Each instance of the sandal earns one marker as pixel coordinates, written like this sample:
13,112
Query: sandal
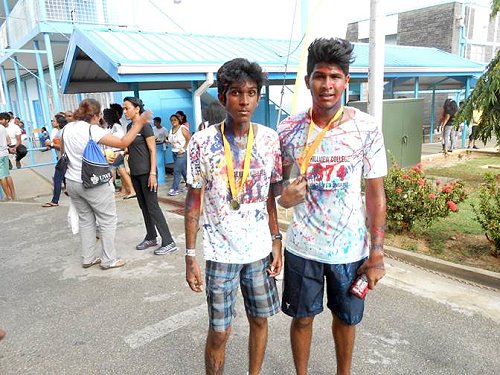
115,264
93,263
50,204
130,196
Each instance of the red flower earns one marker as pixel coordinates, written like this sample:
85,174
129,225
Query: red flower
438,182
421,182
446,189
452,206
417,168
399,190
432,196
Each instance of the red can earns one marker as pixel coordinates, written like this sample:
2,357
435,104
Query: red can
360,286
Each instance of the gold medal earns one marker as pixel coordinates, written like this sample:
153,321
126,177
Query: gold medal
234,204
235,190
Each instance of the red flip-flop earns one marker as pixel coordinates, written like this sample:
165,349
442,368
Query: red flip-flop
50,204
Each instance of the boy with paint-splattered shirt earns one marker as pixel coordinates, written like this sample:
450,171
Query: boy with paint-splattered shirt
234,165
333,237
229,235
329,226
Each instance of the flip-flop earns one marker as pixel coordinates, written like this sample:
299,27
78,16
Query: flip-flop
130,196
50,204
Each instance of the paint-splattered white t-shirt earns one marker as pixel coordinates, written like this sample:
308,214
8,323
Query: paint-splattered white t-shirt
234,236
330,226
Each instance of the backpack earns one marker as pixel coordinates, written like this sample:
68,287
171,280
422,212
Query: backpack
95,168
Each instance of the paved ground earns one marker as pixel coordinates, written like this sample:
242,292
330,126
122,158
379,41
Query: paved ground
143,319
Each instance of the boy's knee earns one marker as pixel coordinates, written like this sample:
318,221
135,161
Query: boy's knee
218,339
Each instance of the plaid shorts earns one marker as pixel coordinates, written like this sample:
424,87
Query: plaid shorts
260,293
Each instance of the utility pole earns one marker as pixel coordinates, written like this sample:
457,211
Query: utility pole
376,58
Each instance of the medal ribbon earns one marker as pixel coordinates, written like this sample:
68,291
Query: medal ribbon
229,161
309,150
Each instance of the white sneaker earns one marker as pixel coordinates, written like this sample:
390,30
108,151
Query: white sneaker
173,192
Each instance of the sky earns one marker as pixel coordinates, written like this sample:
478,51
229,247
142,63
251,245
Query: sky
277,19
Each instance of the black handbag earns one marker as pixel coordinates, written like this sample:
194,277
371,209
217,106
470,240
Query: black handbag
63,162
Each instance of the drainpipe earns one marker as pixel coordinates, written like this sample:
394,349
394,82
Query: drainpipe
197,98
433,113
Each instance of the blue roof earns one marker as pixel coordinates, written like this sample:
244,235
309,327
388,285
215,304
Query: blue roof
114,59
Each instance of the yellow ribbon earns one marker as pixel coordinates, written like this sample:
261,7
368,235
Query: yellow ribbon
229,162
309,150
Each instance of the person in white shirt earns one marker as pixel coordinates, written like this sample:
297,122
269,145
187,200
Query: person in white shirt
178,137
14,135
5,178
97,203
160,132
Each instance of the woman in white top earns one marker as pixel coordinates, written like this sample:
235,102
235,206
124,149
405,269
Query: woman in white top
178,137
96,203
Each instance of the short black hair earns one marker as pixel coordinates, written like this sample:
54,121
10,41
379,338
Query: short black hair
157,119
239,70
4,116
330,51
117,108
110,116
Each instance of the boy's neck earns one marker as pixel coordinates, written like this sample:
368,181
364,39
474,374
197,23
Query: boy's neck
239,130
322,117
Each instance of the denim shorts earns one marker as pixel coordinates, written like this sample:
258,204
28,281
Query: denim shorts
4,166
260,293
303,289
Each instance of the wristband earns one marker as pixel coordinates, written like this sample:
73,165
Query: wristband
190,252
152,173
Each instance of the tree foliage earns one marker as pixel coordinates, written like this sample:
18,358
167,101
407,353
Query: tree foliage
485,97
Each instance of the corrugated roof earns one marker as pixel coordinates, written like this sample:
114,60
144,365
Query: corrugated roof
113,60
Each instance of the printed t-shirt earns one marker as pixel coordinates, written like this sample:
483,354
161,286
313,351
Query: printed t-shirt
234,236
329,226
139,159
75,138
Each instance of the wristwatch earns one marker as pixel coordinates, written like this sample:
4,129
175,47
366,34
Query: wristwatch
277,236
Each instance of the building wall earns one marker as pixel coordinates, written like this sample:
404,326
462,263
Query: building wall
435,26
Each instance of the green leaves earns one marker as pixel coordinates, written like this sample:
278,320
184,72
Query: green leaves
486,98
488,211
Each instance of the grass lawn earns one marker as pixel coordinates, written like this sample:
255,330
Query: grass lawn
457,238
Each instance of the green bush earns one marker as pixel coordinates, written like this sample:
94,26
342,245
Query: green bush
488,211
412,198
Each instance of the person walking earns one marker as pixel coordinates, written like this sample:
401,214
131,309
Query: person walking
97,203
142,162
178,137
327,152
450,108
238,163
